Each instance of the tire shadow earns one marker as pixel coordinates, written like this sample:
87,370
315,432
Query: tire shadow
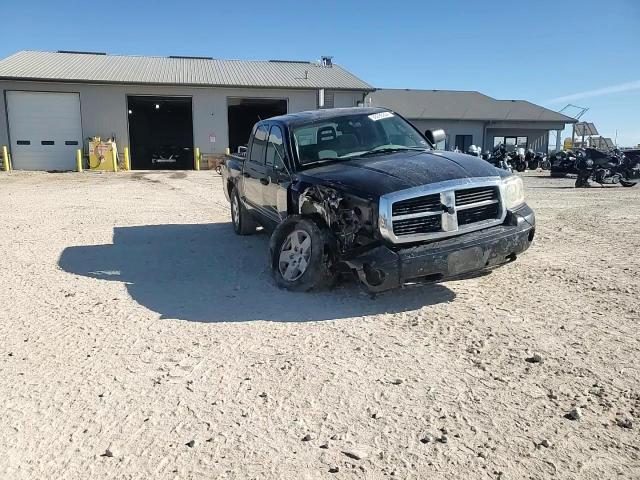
206,273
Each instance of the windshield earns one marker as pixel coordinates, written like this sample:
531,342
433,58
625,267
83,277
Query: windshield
356,135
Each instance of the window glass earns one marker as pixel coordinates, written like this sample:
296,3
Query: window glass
259,145
349,136
522,142
463,142
275,148
510,143
497,141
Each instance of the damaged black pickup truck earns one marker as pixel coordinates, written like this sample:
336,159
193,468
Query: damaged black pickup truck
361,190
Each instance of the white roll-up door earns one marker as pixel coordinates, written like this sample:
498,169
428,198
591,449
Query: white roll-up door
45,129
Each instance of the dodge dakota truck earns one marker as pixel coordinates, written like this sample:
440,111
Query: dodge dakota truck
361,191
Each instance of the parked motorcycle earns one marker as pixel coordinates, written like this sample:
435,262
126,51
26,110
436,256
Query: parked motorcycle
517,160
532,160
473,150
607,168
498,158
562,163
536,160
543,161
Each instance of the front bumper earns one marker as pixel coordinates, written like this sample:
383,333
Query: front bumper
383,268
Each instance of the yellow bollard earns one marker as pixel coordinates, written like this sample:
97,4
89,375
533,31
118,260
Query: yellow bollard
79,160
114,155
127,162
227,151
196,158
5,159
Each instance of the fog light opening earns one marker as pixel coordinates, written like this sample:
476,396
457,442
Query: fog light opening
511,257
532,233
374,276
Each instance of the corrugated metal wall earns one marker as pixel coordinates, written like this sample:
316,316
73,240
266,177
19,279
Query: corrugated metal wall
104,107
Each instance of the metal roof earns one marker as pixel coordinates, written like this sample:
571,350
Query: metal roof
457,105
101,68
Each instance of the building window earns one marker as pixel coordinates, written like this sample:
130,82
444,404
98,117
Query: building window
463,142
511,143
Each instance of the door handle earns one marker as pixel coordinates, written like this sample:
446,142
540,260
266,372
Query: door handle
265,180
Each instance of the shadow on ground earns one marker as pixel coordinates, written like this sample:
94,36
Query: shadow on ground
206,273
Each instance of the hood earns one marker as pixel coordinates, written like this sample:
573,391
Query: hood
381,174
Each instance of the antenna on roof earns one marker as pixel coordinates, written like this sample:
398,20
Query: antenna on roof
326,61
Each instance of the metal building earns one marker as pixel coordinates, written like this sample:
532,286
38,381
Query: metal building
471,118
160,107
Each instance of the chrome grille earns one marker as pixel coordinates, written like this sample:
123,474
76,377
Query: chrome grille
441,210
476,195
410,226
478,214
427,203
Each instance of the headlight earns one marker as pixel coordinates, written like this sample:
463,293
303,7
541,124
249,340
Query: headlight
513,192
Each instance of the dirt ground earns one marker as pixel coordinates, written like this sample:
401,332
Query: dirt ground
142,339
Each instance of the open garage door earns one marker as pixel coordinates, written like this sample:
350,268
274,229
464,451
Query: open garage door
243,113
160,133
45,130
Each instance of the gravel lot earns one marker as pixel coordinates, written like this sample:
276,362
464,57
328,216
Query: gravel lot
142,339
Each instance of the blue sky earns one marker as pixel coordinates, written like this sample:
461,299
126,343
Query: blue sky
549,52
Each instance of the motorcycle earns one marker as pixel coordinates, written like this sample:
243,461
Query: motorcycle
498,158
543,161
562,163
608,168
532,159
474,151
517,160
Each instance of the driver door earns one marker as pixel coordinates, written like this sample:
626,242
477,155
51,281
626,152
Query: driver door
274,200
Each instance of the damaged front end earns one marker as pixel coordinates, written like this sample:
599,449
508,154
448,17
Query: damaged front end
351,219
381,265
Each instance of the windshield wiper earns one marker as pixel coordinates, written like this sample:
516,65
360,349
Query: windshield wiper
389,150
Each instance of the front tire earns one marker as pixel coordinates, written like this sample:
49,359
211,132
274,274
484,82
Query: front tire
243,222
626,183
300,255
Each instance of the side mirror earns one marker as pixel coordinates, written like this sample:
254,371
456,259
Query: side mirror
435,136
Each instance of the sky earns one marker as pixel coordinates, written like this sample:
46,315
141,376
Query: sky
552,53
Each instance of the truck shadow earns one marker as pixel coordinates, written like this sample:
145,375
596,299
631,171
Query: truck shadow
206,273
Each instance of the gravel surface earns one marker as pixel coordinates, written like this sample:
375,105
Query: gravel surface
142,339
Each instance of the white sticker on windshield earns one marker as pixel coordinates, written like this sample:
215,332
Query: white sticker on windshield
379,116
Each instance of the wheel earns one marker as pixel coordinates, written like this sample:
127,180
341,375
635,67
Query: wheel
533,165
219,169
626,183
521,166
300,255
545,165
558,174
243,222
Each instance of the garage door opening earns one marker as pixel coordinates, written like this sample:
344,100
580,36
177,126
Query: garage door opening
245,112
45,130
160,133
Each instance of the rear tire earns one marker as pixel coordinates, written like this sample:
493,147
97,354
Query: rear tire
300,255
243,222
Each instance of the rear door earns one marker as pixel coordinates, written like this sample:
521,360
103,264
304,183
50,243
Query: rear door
45,129
277,176
254,168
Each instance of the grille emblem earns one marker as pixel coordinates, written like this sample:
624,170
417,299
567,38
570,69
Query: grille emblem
450,209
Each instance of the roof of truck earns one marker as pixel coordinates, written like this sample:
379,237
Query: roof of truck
299,118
